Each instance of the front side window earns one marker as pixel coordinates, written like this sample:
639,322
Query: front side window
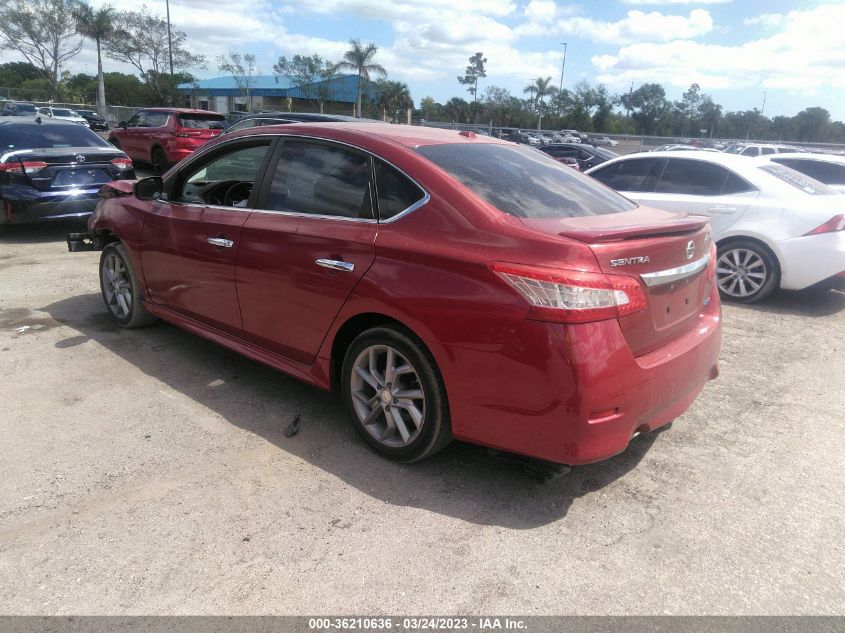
396,192
635,174
698,178
137,120
524,182
750,151
321,179
224,180
156,119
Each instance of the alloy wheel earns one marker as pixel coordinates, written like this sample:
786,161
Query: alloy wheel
741,272
387,396
117,286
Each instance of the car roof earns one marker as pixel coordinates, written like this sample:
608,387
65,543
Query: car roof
308,117
180,111
31,120
410,136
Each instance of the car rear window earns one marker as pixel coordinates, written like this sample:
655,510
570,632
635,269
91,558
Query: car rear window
202,121
828,173
34,136
799,180
524,182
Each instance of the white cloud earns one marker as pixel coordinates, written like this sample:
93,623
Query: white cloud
766,20
545,18
668,2
804,55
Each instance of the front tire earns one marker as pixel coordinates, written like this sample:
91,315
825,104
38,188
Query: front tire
746,272
395,395
121,289
159,160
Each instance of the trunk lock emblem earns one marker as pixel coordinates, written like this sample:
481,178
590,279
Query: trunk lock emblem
690,249
79,158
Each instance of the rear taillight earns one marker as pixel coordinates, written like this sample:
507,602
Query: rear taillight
836,223
27,166
122,163
571,296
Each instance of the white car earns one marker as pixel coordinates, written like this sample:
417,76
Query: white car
62,114
773,226
826,168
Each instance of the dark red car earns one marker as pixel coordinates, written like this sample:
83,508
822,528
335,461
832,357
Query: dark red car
448,285
164,136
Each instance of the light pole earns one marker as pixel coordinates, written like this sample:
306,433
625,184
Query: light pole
169,39
562,66
763,109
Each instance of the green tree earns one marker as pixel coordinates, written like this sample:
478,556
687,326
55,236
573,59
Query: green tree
312,75
43,32
140,39
96,25
474,71
539,89
392,97
243,71
428,109
359,58
648,104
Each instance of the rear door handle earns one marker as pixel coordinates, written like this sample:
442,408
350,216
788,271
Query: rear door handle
334,264
220,241
722,209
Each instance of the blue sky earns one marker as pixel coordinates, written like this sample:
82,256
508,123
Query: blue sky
735,49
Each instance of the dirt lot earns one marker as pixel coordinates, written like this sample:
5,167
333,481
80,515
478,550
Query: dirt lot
147,471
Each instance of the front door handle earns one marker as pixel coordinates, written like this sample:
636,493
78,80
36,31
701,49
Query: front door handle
334,264
220,241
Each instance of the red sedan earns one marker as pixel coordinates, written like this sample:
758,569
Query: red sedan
448,285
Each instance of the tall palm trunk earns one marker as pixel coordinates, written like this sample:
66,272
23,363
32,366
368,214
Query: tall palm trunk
358,111
101,84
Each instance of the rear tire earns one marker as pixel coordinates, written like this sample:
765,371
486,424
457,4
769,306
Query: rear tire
746,271
395,394
159,160
121,289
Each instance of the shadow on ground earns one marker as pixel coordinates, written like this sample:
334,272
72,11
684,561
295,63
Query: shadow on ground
463,481
812,302
42,233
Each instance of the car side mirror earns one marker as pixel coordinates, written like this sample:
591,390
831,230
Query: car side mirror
148,188
121,124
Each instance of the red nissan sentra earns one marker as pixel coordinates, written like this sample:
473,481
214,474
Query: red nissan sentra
448,285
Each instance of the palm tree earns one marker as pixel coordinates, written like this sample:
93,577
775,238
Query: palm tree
393,96
360,59
96,25
539,89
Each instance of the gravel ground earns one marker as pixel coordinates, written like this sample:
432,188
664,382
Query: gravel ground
147,471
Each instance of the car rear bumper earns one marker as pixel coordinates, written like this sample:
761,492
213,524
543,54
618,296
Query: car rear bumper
806,261
25,206
589,396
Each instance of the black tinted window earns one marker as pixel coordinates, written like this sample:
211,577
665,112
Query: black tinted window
137,120
828,173
395,192
321,179
32,136
627,175
696,178
524,182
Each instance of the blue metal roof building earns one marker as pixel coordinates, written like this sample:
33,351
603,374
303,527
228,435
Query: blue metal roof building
222,94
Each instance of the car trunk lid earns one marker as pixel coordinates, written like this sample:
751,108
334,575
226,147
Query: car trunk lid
667,253
71,167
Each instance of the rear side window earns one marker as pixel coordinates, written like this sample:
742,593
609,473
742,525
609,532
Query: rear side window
628,175
828,173
768,150
202,121
34,136
320,179
396,192
699,178
524,182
